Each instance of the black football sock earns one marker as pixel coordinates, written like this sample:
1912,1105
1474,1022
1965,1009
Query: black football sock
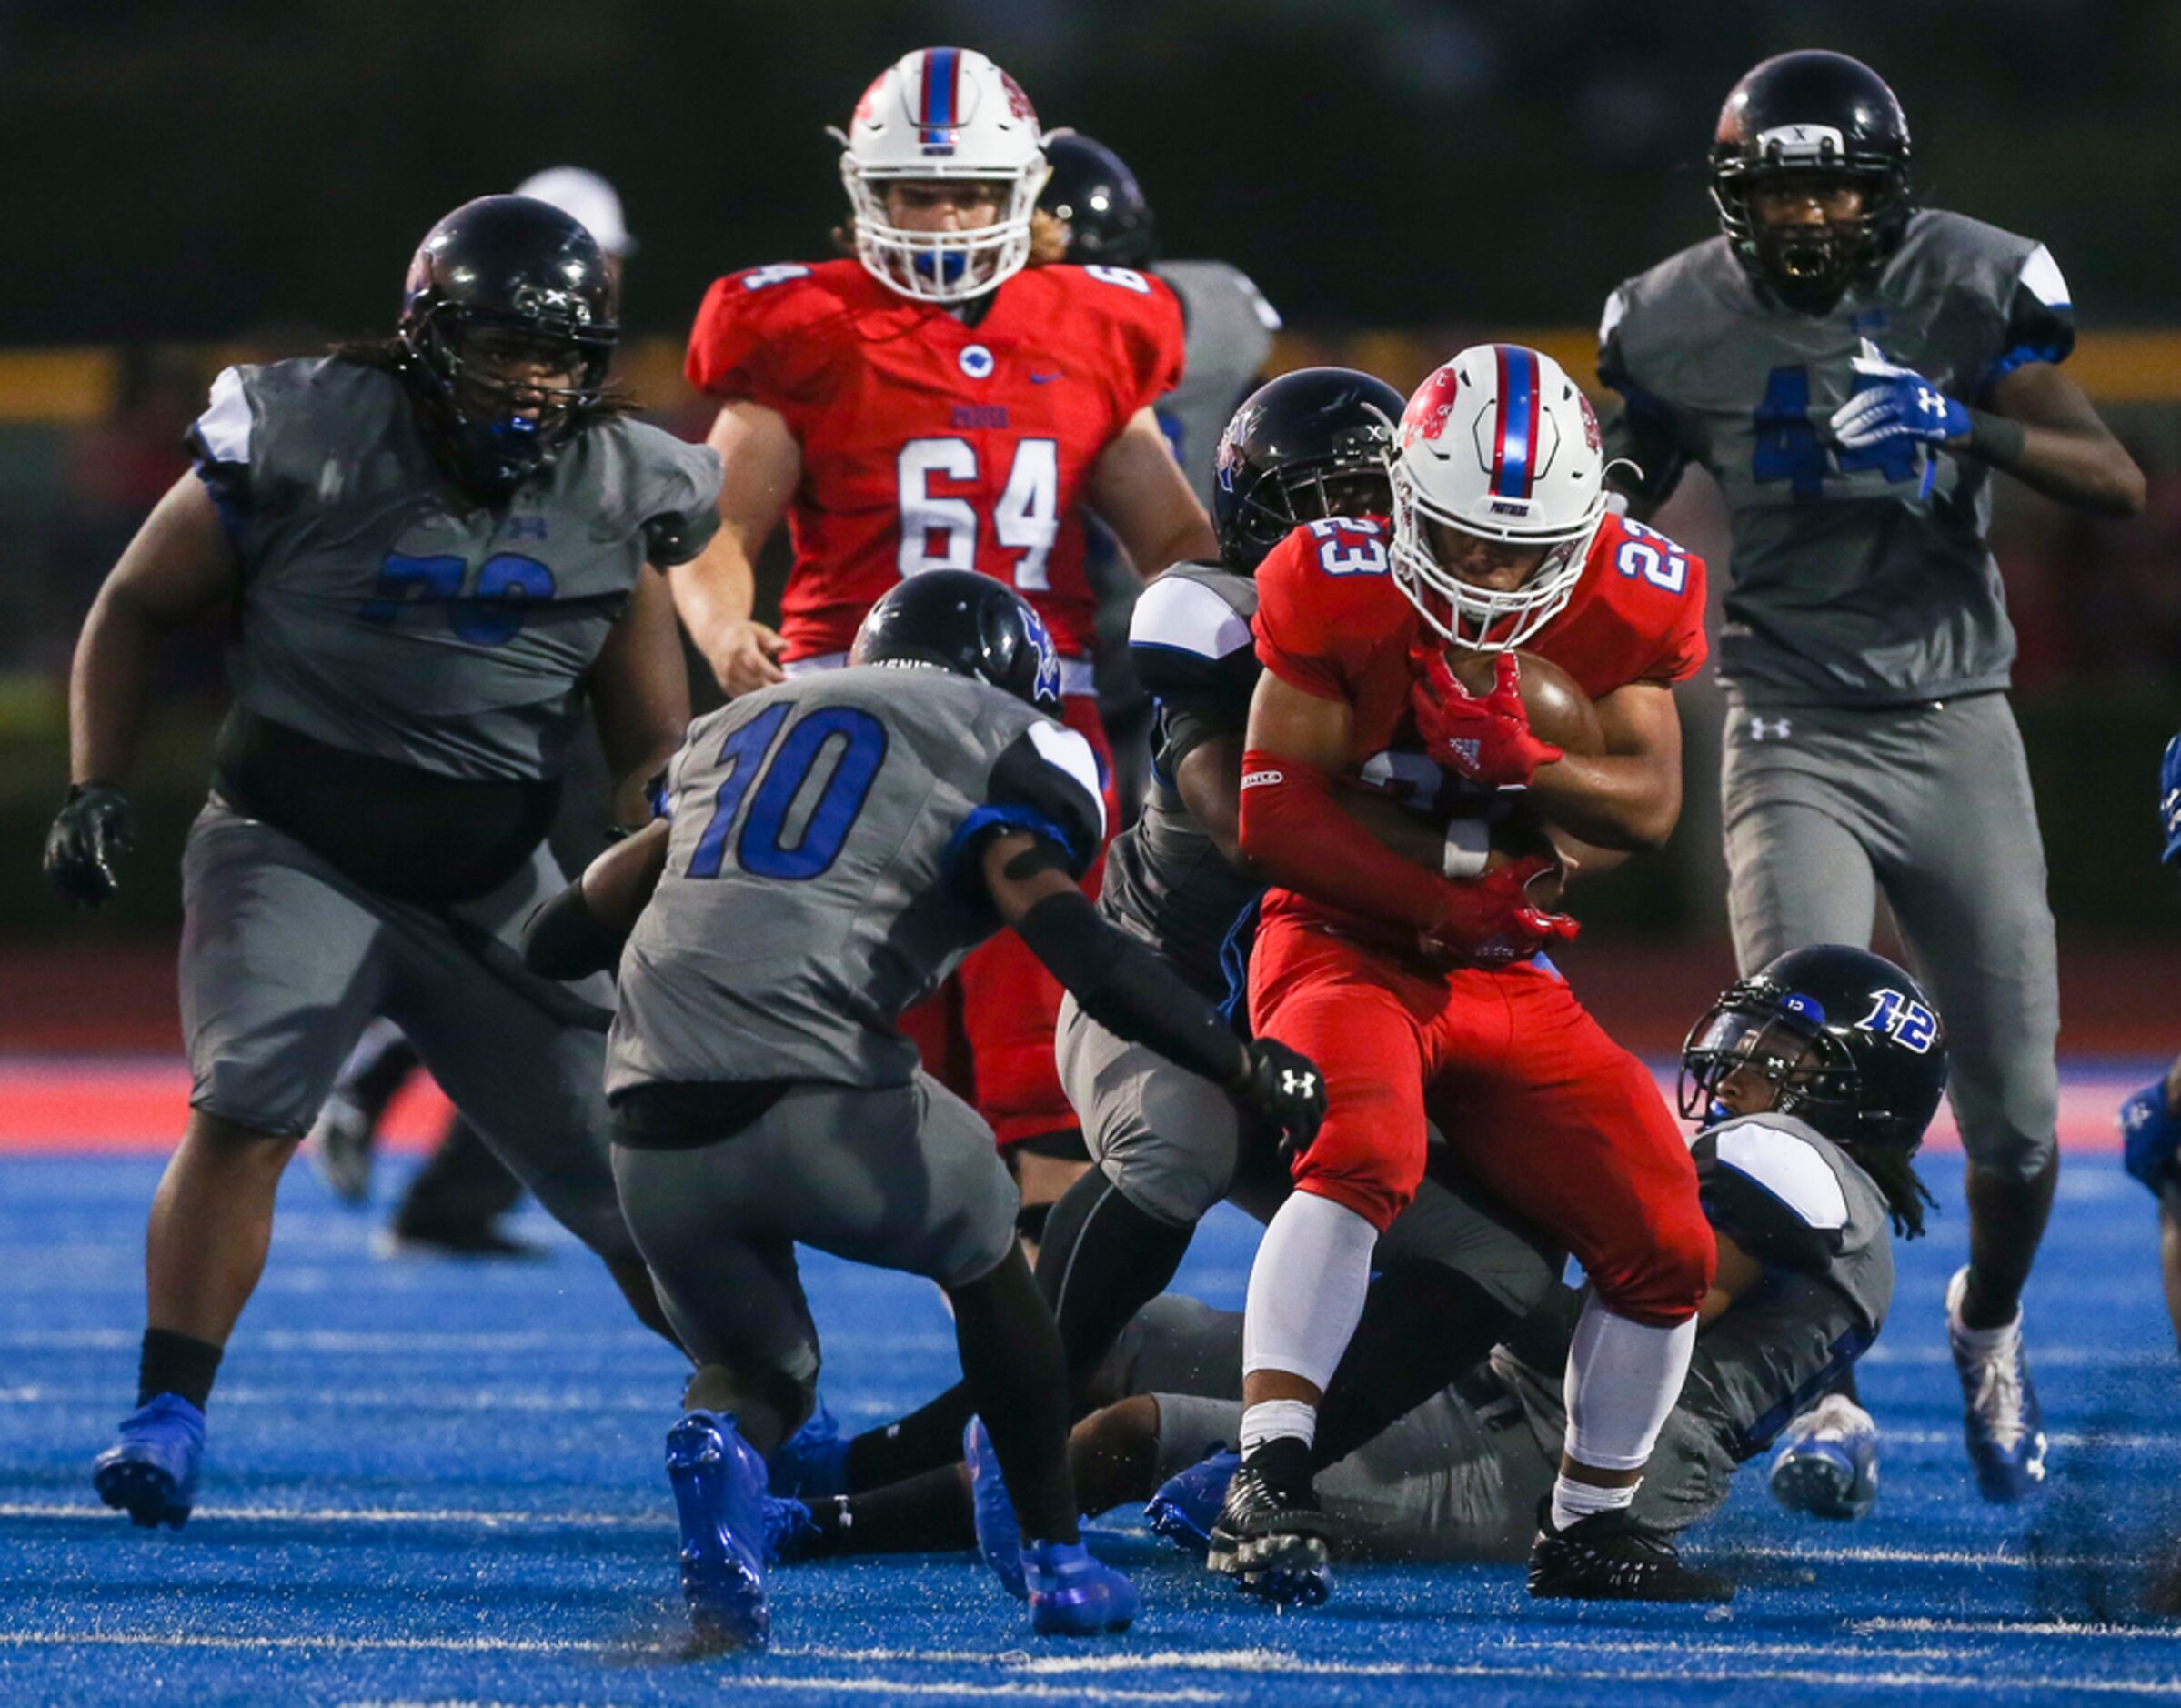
928,1513
1424,1324
1101,1262
925,1439
373,1089
176,1363
1012,1364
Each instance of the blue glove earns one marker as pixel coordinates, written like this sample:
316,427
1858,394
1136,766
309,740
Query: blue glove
1892,402
2169,802
2150,1138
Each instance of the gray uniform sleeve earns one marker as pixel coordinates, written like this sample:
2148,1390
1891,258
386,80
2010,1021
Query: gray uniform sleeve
220,443
1644,435
2039,318
1774,1195
1045,781
1190,642
681,497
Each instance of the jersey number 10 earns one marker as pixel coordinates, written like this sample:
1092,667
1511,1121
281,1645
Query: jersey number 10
938,531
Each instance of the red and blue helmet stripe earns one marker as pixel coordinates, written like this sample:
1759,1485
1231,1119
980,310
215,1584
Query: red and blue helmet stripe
941,108
1514,433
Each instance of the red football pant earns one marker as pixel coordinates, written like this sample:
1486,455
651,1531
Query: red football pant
987,1033
1540,1107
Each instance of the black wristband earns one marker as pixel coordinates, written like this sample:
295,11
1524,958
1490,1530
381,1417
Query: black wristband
564,939
1995,438
1127,990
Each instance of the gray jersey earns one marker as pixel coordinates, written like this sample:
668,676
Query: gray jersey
1794,1201
384,612
820,878
1166,883
1228,328
1856,578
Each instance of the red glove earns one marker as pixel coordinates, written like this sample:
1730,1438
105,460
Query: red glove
1493,922
1488,741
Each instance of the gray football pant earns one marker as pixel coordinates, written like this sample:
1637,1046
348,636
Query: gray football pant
1171,1142
1826,806
284,962
908,1178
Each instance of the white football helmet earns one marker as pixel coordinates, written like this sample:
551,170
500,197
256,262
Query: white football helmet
1498,443
943,113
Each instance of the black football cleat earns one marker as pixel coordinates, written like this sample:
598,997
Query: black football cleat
1271,1536
1609,1557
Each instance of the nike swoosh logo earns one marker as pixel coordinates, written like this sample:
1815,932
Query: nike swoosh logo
1040,379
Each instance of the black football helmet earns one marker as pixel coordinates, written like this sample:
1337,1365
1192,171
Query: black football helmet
1308,444
1879,1052
521,267
1108,222
970,624
1821,116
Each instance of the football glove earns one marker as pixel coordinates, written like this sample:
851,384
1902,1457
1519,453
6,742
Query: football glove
1890,402
1487,740
94,824
1494,922
2169,802
1285,1087
2150,1139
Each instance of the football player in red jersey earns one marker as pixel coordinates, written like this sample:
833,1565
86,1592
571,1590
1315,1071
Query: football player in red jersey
940,403
1499,536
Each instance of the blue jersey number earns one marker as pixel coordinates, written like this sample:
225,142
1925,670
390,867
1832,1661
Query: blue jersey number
851,741
491,615
1788,448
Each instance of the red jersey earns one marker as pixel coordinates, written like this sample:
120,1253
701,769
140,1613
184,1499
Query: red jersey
928,443
1332,622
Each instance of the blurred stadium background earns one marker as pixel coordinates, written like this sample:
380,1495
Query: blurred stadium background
239,178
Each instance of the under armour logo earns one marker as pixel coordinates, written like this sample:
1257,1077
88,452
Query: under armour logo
526,527
1296,1085
1759,730
1929,401
1469,749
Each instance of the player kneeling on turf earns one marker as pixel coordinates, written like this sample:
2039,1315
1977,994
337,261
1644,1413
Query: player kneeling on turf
837,844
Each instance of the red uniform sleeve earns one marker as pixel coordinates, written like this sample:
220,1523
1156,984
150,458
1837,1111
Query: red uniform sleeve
760,334
1311,619
1685,648
1158,343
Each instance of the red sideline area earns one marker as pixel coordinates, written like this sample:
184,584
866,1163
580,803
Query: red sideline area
90,1039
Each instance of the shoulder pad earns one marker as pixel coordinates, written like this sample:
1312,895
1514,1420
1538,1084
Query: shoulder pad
677,494
1046,781
1769,1185
1194,608
740,312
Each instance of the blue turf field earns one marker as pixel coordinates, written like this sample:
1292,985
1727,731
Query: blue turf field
441,1483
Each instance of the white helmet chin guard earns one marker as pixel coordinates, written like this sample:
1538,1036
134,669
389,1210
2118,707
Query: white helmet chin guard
943,113
1501,443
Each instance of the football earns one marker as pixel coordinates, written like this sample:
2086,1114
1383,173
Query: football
1559,711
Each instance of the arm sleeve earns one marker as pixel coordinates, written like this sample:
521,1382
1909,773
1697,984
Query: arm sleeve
1295,834
222,443
1045,781
1772,1194
1644,433
2038,316
684,511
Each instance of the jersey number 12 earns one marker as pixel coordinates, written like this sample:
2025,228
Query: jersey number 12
938,531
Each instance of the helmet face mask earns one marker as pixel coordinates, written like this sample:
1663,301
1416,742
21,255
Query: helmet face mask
1803,123
943,115
1809,1073
1311,444
508,328
1498,445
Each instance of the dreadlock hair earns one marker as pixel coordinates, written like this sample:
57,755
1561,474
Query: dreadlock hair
1895,1177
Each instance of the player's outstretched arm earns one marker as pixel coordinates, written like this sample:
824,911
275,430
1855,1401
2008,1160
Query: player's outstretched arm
1134,995
716,590
1141,493
639,691
582,930
2045,433
1630,797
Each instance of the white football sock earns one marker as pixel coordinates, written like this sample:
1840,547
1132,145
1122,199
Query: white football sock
1269,1419
1573,1502
1624,1379
1306,1288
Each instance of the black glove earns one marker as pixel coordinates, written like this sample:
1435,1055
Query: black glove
1285,1087
95,824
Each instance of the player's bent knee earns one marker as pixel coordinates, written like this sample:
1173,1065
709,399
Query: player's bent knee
1662,1283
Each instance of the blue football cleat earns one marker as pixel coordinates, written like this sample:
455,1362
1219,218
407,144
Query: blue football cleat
1188,1504
1827,1462
719,1484
151,1471
999,1535
1071,1595
2150,1137
812,1465
2001,1419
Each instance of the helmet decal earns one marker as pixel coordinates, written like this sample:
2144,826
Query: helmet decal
1429,410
